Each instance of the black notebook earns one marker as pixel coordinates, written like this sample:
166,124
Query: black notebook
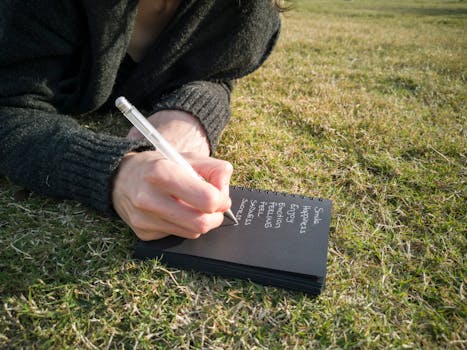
280,240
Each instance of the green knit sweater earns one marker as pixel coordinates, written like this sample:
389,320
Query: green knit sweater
59,59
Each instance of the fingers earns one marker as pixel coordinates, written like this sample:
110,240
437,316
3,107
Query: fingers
156,197
149,226
153,216
202,195
170,209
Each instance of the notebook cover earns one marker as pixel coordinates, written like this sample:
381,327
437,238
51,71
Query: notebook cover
281,239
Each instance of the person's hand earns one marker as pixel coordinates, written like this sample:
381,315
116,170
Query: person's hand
156,197
181,129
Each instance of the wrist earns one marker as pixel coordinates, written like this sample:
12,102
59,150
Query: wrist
182,130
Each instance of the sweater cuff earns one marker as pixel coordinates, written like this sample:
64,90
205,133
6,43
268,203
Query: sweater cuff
88,166
208,101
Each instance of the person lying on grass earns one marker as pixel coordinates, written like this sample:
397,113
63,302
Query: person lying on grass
177,59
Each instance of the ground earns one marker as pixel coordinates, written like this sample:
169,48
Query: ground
363,102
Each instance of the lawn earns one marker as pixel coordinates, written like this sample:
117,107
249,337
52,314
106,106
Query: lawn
363,102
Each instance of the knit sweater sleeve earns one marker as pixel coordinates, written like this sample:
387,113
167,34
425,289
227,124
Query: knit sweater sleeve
52,154
209,101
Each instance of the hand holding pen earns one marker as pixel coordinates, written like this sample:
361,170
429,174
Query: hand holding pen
157,194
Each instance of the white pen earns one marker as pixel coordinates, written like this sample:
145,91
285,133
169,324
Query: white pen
153,136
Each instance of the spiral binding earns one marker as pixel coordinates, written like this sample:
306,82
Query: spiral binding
293,195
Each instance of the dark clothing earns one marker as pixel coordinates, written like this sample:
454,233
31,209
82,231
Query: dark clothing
61,58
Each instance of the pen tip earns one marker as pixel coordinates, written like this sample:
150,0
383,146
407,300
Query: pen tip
231,216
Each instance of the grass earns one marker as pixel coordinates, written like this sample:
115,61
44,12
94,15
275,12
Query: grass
363,102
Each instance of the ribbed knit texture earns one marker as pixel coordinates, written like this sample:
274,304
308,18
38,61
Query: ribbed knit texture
60,59
89,176
73,163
